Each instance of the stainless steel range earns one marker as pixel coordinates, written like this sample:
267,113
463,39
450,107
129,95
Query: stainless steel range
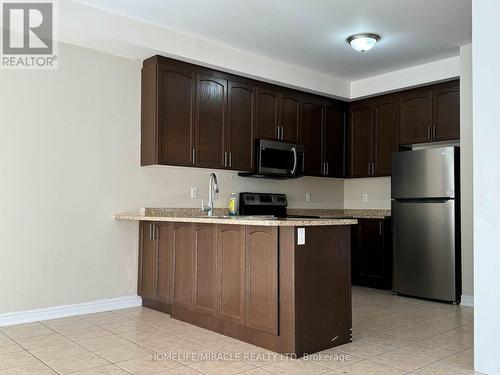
260,204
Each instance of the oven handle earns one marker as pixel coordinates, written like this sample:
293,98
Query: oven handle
294,151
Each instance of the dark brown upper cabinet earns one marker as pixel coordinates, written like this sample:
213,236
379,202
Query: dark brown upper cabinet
312,132
373,136
447,111
334,140
200,117
210,137
277,115
289,119
168,96
431,113
239,126
267,114
385,132
416,116
323,124
361,145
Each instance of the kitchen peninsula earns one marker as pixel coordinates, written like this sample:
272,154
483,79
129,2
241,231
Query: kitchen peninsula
281,284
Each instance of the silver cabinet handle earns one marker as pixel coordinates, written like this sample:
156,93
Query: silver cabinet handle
294,151
277,133
230,159
282,133
429,132
323,168
327,168
373,168
194,156
152,231
434,132
369,168
225,159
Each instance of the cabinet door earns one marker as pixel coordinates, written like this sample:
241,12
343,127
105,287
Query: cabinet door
262,279
184,263
386,128
334,140
176,94
371,255
164,268
147,261
360,139
447,111
231,271
240,139
312,124
205,271
290,118
210,117
416,116
266,113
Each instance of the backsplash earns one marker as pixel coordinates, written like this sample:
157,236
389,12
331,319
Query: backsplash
377,189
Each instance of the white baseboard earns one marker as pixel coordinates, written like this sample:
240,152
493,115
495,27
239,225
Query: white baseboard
65,311
467,301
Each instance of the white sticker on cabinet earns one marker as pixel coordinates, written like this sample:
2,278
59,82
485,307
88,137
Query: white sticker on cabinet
301,236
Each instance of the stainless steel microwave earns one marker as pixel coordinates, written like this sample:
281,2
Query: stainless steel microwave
278,160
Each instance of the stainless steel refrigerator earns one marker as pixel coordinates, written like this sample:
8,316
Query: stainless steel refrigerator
425,194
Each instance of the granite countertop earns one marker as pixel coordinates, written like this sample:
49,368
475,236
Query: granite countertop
238,220
368,213
194,215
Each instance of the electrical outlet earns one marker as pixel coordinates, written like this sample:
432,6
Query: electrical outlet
308,197
194,192
365,197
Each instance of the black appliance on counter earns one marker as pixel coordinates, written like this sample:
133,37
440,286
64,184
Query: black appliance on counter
278,160
264,204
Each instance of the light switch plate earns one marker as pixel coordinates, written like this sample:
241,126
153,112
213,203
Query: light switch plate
365,197
308,197
301,236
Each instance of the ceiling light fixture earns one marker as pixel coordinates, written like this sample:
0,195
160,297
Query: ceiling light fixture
363,42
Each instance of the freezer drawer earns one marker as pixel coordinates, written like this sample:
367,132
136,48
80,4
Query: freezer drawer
424,249
428,173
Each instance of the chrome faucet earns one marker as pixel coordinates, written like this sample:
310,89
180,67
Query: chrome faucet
213,188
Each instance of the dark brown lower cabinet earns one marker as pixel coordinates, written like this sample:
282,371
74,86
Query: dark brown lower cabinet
372,253
183,265
253,283
205,291
231,271
155,265
262,278
147,261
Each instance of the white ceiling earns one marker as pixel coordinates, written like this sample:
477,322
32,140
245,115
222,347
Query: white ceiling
311,33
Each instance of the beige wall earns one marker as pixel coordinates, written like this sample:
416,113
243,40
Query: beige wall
466,169
377,189
69,160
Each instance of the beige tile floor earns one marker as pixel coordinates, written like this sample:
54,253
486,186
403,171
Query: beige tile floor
392,335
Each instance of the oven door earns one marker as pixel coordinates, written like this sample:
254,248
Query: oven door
280,159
